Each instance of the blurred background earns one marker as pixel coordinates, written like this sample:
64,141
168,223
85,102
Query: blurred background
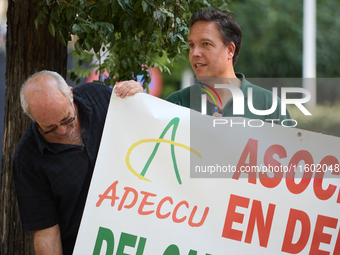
272,48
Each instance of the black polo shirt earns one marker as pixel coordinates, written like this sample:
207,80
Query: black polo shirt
52,180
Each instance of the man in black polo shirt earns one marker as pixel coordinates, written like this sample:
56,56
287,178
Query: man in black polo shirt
55,158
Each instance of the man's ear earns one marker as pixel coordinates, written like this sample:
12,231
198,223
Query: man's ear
71,89
231,48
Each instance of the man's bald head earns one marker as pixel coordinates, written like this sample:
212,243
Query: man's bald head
42,90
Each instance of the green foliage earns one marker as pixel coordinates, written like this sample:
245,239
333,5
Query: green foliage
328,51
172,81
273,37
325,118
123,35
195,5
80,70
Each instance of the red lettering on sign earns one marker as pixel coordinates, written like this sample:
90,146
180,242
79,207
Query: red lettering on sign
135,197
174,215
251,151
145,202
307,175
320,193
128,191
233,216
288,245
269,161
256,215
106,195
337,245
319,236
192,214
247,164
160,204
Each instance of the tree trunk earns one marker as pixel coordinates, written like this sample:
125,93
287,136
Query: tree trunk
28,50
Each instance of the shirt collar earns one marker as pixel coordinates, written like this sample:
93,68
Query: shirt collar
244,86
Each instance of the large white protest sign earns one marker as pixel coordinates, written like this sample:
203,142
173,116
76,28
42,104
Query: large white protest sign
170,181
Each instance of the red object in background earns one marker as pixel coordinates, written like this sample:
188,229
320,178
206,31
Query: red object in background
156,84
95,76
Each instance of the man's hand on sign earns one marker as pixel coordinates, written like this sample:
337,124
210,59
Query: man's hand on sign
127,88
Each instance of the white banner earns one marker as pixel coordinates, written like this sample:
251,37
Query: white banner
238,187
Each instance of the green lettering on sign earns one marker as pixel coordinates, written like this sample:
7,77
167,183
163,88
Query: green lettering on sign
172,250
107,235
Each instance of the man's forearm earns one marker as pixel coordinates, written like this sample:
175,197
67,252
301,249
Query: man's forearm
48,241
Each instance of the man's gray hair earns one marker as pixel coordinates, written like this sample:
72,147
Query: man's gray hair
62,85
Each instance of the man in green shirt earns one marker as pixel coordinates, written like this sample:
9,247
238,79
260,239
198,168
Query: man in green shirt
215,40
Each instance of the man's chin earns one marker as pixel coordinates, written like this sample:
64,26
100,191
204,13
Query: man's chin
200,75
64,136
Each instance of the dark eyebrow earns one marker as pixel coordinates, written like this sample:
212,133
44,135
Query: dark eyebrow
202,40
206,40
67,117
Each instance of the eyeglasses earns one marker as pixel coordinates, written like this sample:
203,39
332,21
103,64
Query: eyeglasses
67,122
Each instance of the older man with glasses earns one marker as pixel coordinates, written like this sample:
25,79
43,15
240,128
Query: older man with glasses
55,158
64,123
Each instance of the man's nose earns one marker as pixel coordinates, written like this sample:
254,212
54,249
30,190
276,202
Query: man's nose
62,129
196,51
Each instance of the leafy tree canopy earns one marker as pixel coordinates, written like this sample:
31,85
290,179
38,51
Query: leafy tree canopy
123,36
273,37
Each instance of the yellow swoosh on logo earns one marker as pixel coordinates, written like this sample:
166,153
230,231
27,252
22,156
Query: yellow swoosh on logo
160,140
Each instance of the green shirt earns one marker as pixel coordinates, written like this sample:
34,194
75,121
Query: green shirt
190,97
